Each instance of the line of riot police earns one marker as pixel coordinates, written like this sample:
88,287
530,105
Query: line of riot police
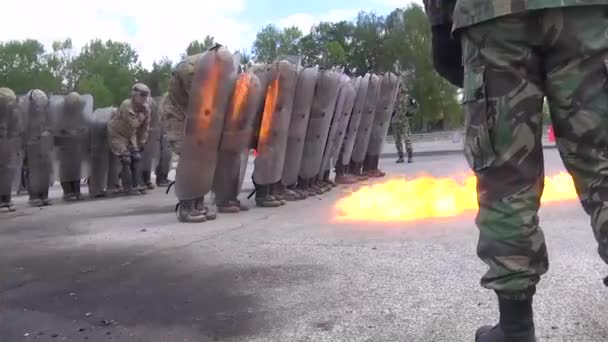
302,122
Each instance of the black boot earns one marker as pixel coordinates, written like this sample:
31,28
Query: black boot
136,175
126,176
263,198
67,191
400,160
410,156
5,202
516,323
76,195
147,179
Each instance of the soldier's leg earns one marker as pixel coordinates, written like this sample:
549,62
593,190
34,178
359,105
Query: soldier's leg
408,141
502,105
398,135
576,86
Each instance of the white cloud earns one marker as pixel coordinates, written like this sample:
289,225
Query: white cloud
158,29
155,30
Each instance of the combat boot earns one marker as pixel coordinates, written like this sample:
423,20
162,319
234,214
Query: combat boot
516,323
127,178
372,170
229,207
327,180
279,191
356,170
305,186
6,203
410,157
67,191
342,176
400,160
263,198
199,205
146,178
76,194
188,212
301,193
36,202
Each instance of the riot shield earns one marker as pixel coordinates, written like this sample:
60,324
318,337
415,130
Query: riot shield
274,126
20,176
212,85
367,120
324,104
347,109
305,90
10,141
150,155
99,180
333,128
384,109
344,108
38,143
264,74
355,120
238,129
165,155
70,134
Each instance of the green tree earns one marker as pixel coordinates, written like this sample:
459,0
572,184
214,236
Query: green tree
408,41
366,54
23,66
157,79
271,42
60,62
111,64
196,47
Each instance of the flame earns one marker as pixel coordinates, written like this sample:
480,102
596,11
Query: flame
208,91
403,200
241,90
272,95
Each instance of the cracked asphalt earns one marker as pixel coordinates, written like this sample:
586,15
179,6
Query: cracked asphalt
123,269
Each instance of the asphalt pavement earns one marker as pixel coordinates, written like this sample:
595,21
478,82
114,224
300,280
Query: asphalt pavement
124,269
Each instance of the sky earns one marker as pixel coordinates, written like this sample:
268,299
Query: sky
164,29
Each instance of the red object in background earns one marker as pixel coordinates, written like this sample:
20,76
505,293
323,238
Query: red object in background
551,134
255,152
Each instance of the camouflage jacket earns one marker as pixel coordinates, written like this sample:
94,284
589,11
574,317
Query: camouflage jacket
131,122
405,108
471,12
181,80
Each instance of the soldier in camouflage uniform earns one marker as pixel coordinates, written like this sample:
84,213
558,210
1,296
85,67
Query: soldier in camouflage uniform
402,131
173,107
515,53
127,133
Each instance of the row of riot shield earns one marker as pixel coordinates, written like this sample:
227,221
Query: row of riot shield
60,138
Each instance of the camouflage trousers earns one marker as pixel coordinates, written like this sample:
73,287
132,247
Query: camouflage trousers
402,133
511,63
120,145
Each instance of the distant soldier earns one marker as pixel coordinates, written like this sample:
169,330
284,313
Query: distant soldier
127,133
404,111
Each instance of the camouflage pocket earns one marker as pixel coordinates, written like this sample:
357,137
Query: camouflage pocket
478,143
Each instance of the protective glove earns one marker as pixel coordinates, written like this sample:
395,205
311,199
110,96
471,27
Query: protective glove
447,55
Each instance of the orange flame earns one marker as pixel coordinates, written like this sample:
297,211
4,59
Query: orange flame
241,90
427,197
208,92
272,95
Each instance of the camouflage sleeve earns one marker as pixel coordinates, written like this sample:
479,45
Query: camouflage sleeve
144,129
439,12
